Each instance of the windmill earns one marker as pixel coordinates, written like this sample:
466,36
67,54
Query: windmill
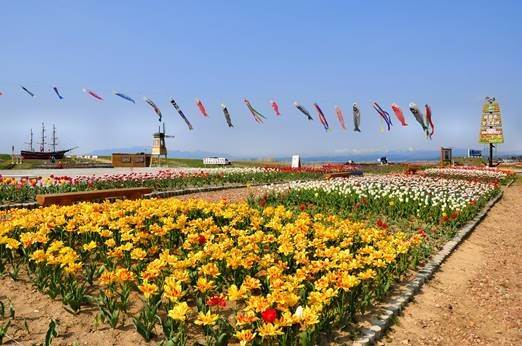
159,148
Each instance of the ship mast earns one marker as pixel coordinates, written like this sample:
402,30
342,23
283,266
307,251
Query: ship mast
31,142
54,138
42,143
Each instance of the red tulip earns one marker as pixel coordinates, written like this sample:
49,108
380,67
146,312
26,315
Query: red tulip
217,301
269,315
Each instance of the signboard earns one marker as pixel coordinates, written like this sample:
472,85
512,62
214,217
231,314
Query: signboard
491,123
474,153
296,161
215,161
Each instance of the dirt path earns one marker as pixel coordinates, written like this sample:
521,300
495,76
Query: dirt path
476,296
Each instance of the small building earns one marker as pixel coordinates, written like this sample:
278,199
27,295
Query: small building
130,160
446,156
216,161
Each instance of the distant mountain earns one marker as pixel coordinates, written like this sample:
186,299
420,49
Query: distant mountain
395,156
392,155
173,153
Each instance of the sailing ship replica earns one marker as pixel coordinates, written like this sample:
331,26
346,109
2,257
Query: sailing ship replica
53,154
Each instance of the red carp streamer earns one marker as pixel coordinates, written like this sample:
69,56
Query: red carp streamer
428,117
398,113
322,118
275,107
201,107
340,116
93,94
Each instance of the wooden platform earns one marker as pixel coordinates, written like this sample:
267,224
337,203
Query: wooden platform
68,198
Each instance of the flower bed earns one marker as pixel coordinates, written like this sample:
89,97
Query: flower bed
484,174
14,190
429,199
224,272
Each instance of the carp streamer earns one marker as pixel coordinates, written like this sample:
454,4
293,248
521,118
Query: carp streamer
398,113
430,121
176,107
258,117
385,115
27,91
201,107
227,115
356,117
275,107
93,94
57,93
303,110
154,107
125,97
340,117
321,116
418,115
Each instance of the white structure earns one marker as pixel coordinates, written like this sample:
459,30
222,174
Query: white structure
215,161
296,161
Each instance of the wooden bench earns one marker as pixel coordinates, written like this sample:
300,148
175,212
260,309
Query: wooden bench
68,198
343,174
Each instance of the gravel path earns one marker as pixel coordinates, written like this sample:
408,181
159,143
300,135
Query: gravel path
476,297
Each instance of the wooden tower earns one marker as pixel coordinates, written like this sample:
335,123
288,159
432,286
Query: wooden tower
159,147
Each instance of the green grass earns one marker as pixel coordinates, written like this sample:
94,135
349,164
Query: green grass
5,161
198,163
469,161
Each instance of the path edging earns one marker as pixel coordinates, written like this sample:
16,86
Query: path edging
155,194
398,302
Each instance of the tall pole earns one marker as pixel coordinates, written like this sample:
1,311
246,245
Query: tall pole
42,143
491,146
54,138
31,141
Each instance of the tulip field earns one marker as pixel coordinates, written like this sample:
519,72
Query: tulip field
15,190
483,174
396,196
283,268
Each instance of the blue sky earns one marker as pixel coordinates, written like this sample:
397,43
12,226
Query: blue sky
450,54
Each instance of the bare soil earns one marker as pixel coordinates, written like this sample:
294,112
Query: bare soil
36,310
476,296
230,195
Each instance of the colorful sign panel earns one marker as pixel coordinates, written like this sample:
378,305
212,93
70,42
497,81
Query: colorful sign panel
491,124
